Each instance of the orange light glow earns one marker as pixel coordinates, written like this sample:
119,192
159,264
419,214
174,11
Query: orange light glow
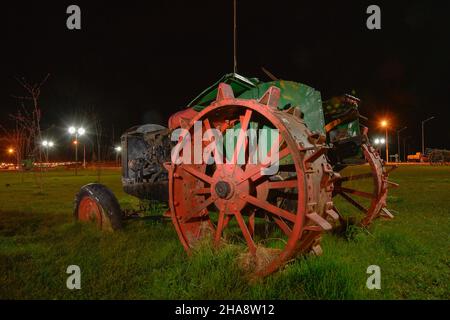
10,150
75,142
384,123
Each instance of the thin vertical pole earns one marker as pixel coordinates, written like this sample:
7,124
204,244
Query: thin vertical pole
423,133
387,146
404,150
76,154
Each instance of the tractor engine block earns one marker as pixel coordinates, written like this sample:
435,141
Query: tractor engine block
145,149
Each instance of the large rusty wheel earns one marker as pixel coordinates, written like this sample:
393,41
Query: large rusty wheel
278,215
374,205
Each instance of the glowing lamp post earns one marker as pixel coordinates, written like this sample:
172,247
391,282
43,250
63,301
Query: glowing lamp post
385,124
379,142
118,153
11,152
78,132
47,145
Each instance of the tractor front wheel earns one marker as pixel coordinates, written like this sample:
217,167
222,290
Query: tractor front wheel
96,203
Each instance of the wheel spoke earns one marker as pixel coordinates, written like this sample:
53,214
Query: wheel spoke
282,184
356,177
213,145
227,220
270,208
242,138
353,202
245,232
202,191
200,175
219,229
200,207
207,124
356,192
255,172
283,225
251,223
286,195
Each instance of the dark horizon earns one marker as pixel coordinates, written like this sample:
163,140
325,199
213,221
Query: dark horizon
142,62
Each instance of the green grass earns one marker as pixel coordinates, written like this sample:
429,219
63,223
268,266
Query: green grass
39,239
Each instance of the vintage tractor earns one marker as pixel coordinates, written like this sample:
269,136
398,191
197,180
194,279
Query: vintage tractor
277,214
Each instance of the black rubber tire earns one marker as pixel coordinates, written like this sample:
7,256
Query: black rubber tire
106,200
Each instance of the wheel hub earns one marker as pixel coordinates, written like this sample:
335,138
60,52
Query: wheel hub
89,211
223,189
229,188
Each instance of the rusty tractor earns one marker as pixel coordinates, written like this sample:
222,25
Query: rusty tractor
278,215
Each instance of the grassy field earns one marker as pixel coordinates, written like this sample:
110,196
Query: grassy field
39,239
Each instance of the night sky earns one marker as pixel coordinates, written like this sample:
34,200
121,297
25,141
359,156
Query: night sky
139,62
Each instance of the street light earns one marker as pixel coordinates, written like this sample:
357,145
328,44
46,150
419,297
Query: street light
11,153
378,143
118,153
398,141
423,134
47,145
385,124
78,132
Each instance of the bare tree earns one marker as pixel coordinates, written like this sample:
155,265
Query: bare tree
27,132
